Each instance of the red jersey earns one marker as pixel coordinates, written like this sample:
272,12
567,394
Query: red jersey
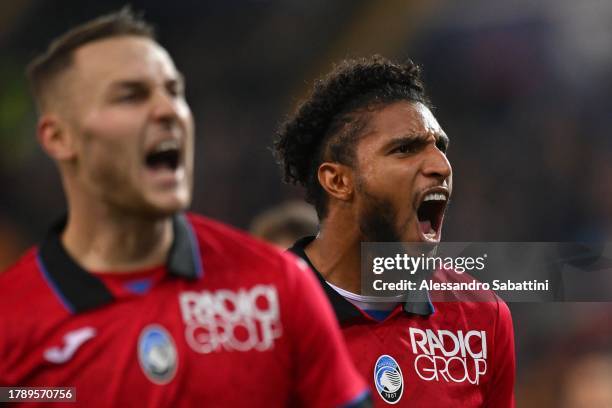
227,322
440,354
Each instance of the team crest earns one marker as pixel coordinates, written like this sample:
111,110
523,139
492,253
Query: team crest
388,379
157,354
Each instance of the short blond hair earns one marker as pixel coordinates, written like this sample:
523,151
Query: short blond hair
47,67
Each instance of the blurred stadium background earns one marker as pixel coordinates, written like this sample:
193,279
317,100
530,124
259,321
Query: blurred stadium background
521,87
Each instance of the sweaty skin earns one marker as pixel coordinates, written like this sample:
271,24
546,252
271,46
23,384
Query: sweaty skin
398,160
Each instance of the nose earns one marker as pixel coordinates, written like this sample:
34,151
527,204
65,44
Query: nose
435,164
165,108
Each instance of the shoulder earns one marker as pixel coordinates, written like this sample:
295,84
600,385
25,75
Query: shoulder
217,237
19,276
24,288
28,309
226,245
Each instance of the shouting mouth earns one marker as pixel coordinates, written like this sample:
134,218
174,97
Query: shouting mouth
430,213
164,160
164,155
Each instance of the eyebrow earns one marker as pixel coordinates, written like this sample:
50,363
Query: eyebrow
127,84
410,138
140,83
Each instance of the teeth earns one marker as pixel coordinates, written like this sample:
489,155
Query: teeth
171,144
435,197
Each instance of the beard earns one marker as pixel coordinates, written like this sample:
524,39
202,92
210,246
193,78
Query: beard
378,219
379,222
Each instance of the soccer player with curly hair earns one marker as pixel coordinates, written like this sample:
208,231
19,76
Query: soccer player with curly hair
371,156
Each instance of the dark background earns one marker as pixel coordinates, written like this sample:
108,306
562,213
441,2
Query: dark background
522,88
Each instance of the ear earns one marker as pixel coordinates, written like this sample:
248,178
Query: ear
337,180
55,138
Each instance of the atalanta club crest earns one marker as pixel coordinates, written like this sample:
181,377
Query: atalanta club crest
157,354
388,379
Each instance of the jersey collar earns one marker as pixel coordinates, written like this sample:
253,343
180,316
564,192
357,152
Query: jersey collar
80,290
344,309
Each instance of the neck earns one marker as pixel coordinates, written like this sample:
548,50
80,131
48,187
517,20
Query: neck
336,253
103,240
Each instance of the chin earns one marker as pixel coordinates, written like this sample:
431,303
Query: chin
167,205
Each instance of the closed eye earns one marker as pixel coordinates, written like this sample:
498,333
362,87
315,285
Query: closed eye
130,97
130,93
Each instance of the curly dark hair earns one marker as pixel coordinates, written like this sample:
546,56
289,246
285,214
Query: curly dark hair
326,125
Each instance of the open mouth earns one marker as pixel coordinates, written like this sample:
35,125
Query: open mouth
165,155
431,213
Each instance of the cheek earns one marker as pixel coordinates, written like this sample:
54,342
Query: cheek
114,129
109,144
370,174
394,179
105,162
113,123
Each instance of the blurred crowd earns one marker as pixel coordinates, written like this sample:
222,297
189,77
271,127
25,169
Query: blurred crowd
521,89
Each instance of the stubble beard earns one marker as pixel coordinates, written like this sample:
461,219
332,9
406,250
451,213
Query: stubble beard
378,218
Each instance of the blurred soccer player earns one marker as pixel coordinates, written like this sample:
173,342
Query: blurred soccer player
372,158
281,225
130,300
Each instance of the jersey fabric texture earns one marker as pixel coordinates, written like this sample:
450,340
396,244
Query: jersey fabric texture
447,354
227,322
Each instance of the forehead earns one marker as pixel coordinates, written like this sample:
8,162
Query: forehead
126,57
404,119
